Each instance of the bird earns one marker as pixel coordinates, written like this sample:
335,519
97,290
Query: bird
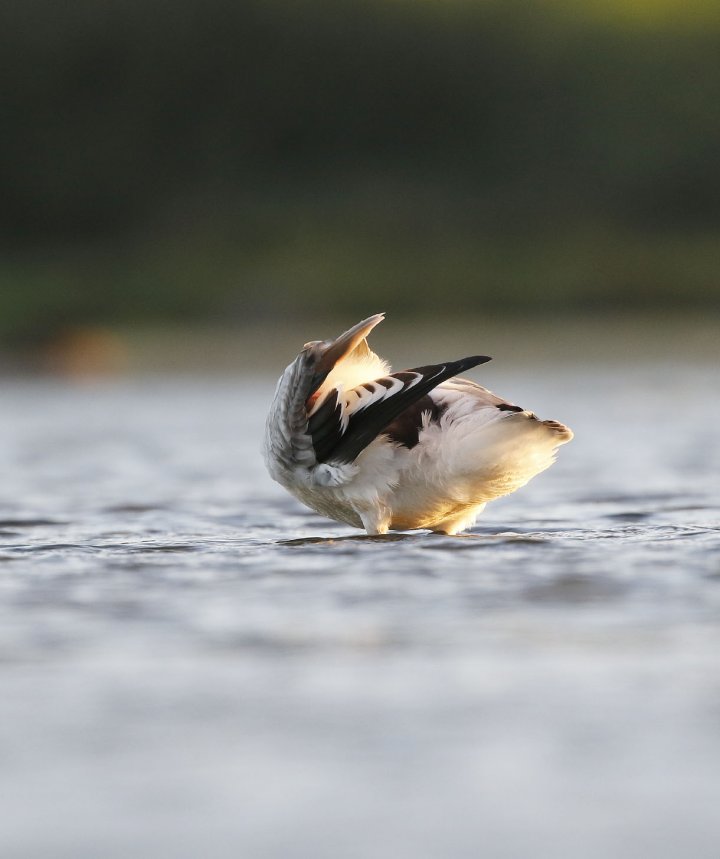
423,448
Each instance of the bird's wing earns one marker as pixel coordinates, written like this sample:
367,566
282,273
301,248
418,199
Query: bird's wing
343,423
475,395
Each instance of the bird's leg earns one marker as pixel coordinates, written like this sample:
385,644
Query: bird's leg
454,524
376,520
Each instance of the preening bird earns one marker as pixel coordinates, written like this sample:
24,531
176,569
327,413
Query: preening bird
379,450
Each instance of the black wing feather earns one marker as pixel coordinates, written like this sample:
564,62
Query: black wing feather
325,426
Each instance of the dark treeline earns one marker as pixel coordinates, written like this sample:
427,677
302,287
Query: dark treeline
245,129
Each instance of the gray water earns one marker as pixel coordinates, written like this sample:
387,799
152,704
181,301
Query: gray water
192,665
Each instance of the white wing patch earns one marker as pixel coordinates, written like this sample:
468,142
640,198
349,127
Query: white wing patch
359,398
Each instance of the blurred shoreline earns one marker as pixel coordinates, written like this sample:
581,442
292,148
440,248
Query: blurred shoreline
512,341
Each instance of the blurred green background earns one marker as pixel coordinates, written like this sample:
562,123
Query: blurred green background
215,162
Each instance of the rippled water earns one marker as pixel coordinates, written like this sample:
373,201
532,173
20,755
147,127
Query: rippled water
192,665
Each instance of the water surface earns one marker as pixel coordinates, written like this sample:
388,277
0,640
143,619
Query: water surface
191,664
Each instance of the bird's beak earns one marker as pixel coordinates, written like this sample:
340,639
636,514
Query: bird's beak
337,349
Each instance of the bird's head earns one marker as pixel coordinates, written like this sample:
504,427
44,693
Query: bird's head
320,356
